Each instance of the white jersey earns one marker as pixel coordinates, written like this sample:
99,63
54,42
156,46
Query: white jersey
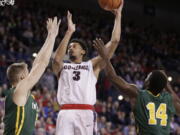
77,84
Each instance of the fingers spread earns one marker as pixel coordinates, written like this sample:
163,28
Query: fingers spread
55,20
101,42
96,45
59,22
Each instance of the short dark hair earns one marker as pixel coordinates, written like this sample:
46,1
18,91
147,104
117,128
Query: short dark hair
157,81
82,44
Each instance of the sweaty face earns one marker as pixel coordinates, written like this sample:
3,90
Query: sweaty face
75,51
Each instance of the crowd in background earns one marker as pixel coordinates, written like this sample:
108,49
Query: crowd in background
23,31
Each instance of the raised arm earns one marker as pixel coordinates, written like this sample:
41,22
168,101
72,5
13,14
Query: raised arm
176,100
61,50
127,89
23,88
111,46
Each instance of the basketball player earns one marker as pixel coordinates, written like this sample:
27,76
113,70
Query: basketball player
153,107
77,81
20,105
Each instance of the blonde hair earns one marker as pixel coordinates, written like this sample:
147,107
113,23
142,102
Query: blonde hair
15,71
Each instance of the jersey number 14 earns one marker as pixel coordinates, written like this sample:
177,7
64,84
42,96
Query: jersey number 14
159,114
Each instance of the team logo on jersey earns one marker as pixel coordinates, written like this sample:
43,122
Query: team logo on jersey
34,106
7,2
83,67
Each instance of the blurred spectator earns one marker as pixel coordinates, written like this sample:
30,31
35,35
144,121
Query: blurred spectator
48,80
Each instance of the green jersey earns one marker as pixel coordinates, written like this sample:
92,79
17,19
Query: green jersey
153,113
19,120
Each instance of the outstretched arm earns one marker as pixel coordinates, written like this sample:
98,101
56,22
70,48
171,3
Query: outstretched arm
176,100
45,51
127,89
23,88
111,46
61,50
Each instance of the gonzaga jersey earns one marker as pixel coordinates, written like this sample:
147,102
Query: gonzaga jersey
77,84
153,113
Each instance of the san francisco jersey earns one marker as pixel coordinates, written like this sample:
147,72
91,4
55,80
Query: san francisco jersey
77,84
153,113
19,120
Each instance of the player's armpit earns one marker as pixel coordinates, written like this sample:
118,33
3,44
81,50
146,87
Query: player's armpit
98,62
57,67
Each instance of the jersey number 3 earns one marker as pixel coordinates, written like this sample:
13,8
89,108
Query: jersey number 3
159,114
76,76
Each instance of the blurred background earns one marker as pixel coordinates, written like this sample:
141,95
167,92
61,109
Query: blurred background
150,40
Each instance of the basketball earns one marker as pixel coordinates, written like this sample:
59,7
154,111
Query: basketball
109,4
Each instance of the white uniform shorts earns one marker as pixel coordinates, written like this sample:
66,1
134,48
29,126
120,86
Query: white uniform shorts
76,122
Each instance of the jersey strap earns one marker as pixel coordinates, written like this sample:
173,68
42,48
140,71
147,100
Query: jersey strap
76,107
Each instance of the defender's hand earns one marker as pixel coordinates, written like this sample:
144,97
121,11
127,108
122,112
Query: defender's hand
53,26
99,46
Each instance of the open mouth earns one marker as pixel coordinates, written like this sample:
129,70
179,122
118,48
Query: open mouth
70,52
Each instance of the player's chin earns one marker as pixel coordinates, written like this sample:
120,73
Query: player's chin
71,57
70,54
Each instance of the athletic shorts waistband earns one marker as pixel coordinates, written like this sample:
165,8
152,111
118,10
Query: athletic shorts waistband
77,107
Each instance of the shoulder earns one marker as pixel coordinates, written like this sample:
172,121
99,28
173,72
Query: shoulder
89,62
9,98
141,91
166,94
8,92
142,94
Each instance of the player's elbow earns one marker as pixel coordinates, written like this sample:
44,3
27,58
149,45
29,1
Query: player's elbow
131,89
115,41
127,86
45,62
55,61
113,77
56,66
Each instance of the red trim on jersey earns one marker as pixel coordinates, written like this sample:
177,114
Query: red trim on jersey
77,106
